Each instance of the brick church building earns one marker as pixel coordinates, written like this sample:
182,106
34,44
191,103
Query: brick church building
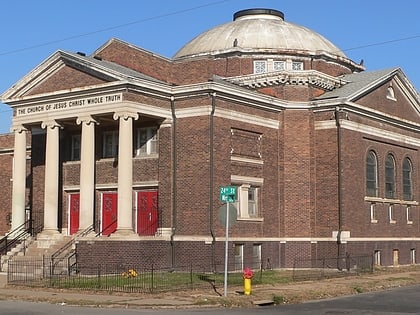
134,148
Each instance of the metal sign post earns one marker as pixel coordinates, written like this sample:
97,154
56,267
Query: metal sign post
227,194
226,248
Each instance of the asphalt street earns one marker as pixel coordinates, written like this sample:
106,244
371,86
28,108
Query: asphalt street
398,301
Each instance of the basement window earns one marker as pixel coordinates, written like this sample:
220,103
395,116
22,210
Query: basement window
239,256
377,257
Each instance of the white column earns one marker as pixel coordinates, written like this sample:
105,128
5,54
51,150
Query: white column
19,178
125,172
87,172
51,176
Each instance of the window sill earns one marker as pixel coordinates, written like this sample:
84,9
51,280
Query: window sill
392,221
150,156
373,221
390,201
109,158
250,219
71,162
409,222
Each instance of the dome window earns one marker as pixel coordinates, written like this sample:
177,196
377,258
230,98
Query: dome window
297,65
279,65
260,66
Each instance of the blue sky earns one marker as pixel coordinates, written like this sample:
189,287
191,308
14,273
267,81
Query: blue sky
384,33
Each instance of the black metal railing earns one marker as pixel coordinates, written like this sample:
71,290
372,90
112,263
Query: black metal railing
62,259
322,268
125,277
18,235
105,228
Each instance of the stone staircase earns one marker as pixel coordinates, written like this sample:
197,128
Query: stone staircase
19,250
39,249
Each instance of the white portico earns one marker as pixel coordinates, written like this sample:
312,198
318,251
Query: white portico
46,104
50,115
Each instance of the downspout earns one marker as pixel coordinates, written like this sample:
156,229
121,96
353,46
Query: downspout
211,179
174,187
339,188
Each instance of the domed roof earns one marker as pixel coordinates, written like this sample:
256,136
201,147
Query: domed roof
258,30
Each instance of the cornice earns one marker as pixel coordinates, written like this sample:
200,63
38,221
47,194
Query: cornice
369,130
308,77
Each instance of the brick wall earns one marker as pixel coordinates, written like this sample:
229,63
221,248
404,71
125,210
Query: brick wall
6,166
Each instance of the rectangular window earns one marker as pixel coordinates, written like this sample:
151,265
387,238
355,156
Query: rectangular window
373,218
75,148
377,257
256,256
239,256
260,66
279,65
297,65
252,202
408,215
391,214
147,141
247,201
110,144
413,256
395,257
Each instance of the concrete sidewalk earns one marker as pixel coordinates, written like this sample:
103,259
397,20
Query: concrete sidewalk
284,293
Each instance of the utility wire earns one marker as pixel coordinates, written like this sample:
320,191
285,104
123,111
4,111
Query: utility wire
383,43
10,52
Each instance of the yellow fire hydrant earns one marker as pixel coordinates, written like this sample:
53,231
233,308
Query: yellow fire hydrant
248,274
247,286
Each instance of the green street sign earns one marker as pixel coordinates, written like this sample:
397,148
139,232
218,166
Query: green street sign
228,193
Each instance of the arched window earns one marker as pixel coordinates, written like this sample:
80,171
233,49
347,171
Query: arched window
371,175
407,182
390,176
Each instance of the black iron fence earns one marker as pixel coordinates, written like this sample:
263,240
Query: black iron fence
314,269
120,278
47,272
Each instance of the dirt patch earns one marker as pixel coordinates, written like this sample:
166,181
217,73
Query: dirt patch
297,292
280,293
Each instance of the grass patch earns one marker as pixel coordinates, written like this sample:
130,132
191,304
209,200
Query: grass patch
279,299
159,281
399,279
358,289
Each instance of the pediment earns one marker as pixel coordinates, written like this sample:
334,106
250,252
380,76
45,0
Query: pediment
385,92
66,78
62,71
393,97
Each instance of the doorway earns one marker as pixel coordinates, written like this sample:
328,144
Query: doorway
109,213
147,212
74,213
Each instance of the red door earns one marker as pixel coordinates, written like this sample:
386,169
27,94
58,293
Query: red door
109,213
74,209
147,212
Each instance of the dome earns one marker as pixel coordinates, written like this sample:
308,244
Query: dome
258,30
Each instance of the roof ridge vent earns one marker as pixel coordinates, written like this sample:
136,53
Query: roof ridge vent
258,13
